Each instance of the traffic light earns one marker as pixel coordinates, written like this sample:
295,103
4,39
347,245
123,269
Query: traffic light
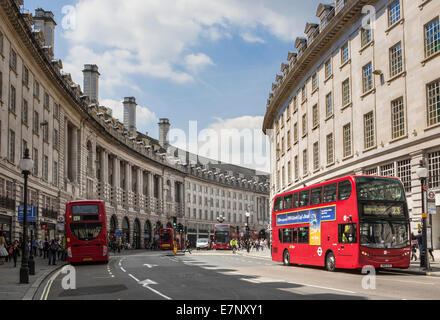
174,222
180,228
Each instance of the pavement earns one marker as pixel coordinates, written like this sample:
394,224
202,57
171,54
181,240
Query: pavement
413,269
10,287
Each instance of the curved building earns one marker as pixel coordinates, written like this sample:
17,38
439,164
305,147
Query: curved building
361,95
81,152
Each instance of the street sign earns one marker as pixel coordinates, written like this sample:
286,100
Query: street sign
430,195
31,214
60,219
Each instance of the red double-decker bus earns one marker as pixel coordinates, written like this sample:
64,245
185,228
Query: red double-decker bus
166,239
347,223
223,234
86,231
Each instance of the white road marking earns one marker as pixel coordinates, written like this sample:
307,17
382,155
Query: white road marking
133,277
46,290
123,269
146,284
150,265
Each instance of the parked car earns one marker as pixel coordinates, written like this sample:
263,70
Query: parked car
202,243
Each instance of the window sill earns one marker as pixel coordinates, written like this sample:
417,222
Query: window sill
405,136
315,127
330,117
13,70
398,22
369,149
315,90
304,101
367,93
347,157
344,64
295,143
328,78
401,74
25,124
432,56
422,5
346,106
330,165
371,43
432,127
304,135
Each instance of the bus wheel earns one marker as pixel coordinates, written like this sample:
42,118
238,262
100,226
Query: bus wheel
330,262
286,258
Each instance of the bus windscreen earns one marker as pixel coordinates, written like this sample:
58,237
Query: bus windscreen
86,231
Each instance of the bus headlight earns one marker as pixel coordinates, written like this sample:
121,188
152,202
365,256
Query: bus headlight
69,252
104,251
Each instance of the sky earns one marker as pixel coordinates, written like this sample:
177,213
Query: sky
210,61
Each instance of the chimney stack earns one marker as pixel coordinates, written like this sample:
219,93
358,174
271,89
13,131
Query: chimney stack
44,21
130,113
91,82
164,128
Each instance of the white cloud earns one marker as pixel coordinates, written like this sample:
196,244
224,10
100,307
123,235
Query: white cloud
156,37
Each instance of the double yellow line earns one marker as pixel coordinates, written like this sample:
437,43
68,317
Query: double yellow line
48,285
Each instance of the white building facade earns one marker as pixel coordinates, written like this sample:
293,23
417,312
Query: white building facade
361,95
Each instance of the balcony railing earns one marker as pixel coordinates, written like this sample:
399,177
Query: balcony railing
49,213
7,203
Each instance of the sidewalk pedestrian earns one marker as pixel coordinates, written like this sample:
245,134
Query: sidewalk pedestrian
15,252
413,247
46,245
3,252
40,248
35,246
430,253
53,252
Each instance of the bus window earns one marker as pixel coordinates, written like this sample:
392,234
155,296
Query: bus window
288,202
330,193
295,235
280,235
295,200
304,197
303,235
316,196
278,204
287,236
347,233
344,190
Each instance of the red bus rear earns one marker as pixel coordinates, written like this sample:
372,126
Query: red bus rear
223,234
86,231
346,223
166,239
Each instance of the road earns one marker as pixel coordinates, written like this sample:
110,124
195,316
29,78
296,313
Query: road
226,276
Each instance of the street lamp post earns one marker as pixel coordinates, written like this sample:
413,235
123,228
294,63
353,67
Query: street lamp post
25,165
422,173
247,231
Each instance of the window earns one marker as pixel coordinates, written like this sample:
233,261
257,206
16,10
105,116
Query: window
432,38
316,196
394,12
366,35
305,163
330,152
315,115
369,140
46,100
295,200
26,76
45,168
1,43
289,173
303,235
434,169
46,133
288,202
295,132
346,96
314,82
56,110
367,77
304,197
278,204
13,60
397,118
1,86
346,140
345,53
433,94
36,122
11,155
287,236
344,190
24,146
387,170
347,233
329,193
371,172
289,140
37,90
304,93
329,105
328,69
404,173
35,158
396,64
304,124
55,139
25,112
296,168
12,100
316,156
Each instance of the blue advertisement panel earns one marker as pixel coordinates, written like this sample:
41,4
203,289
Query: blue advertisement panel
31,213
305,216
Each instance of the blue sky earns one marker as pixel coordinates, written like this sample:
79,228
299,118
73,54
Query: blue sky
209,61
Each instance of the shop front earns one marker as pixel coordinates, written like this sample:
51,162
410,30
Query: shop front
6,227
48,230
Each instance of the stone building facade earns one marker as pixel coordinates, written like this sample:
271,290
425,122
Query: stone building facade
361,95
79,150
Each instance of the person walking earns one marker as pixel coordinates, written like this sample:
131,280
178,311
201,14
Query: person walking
53,252
3,251
188,245
46,245
413,247
15,252
40,248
